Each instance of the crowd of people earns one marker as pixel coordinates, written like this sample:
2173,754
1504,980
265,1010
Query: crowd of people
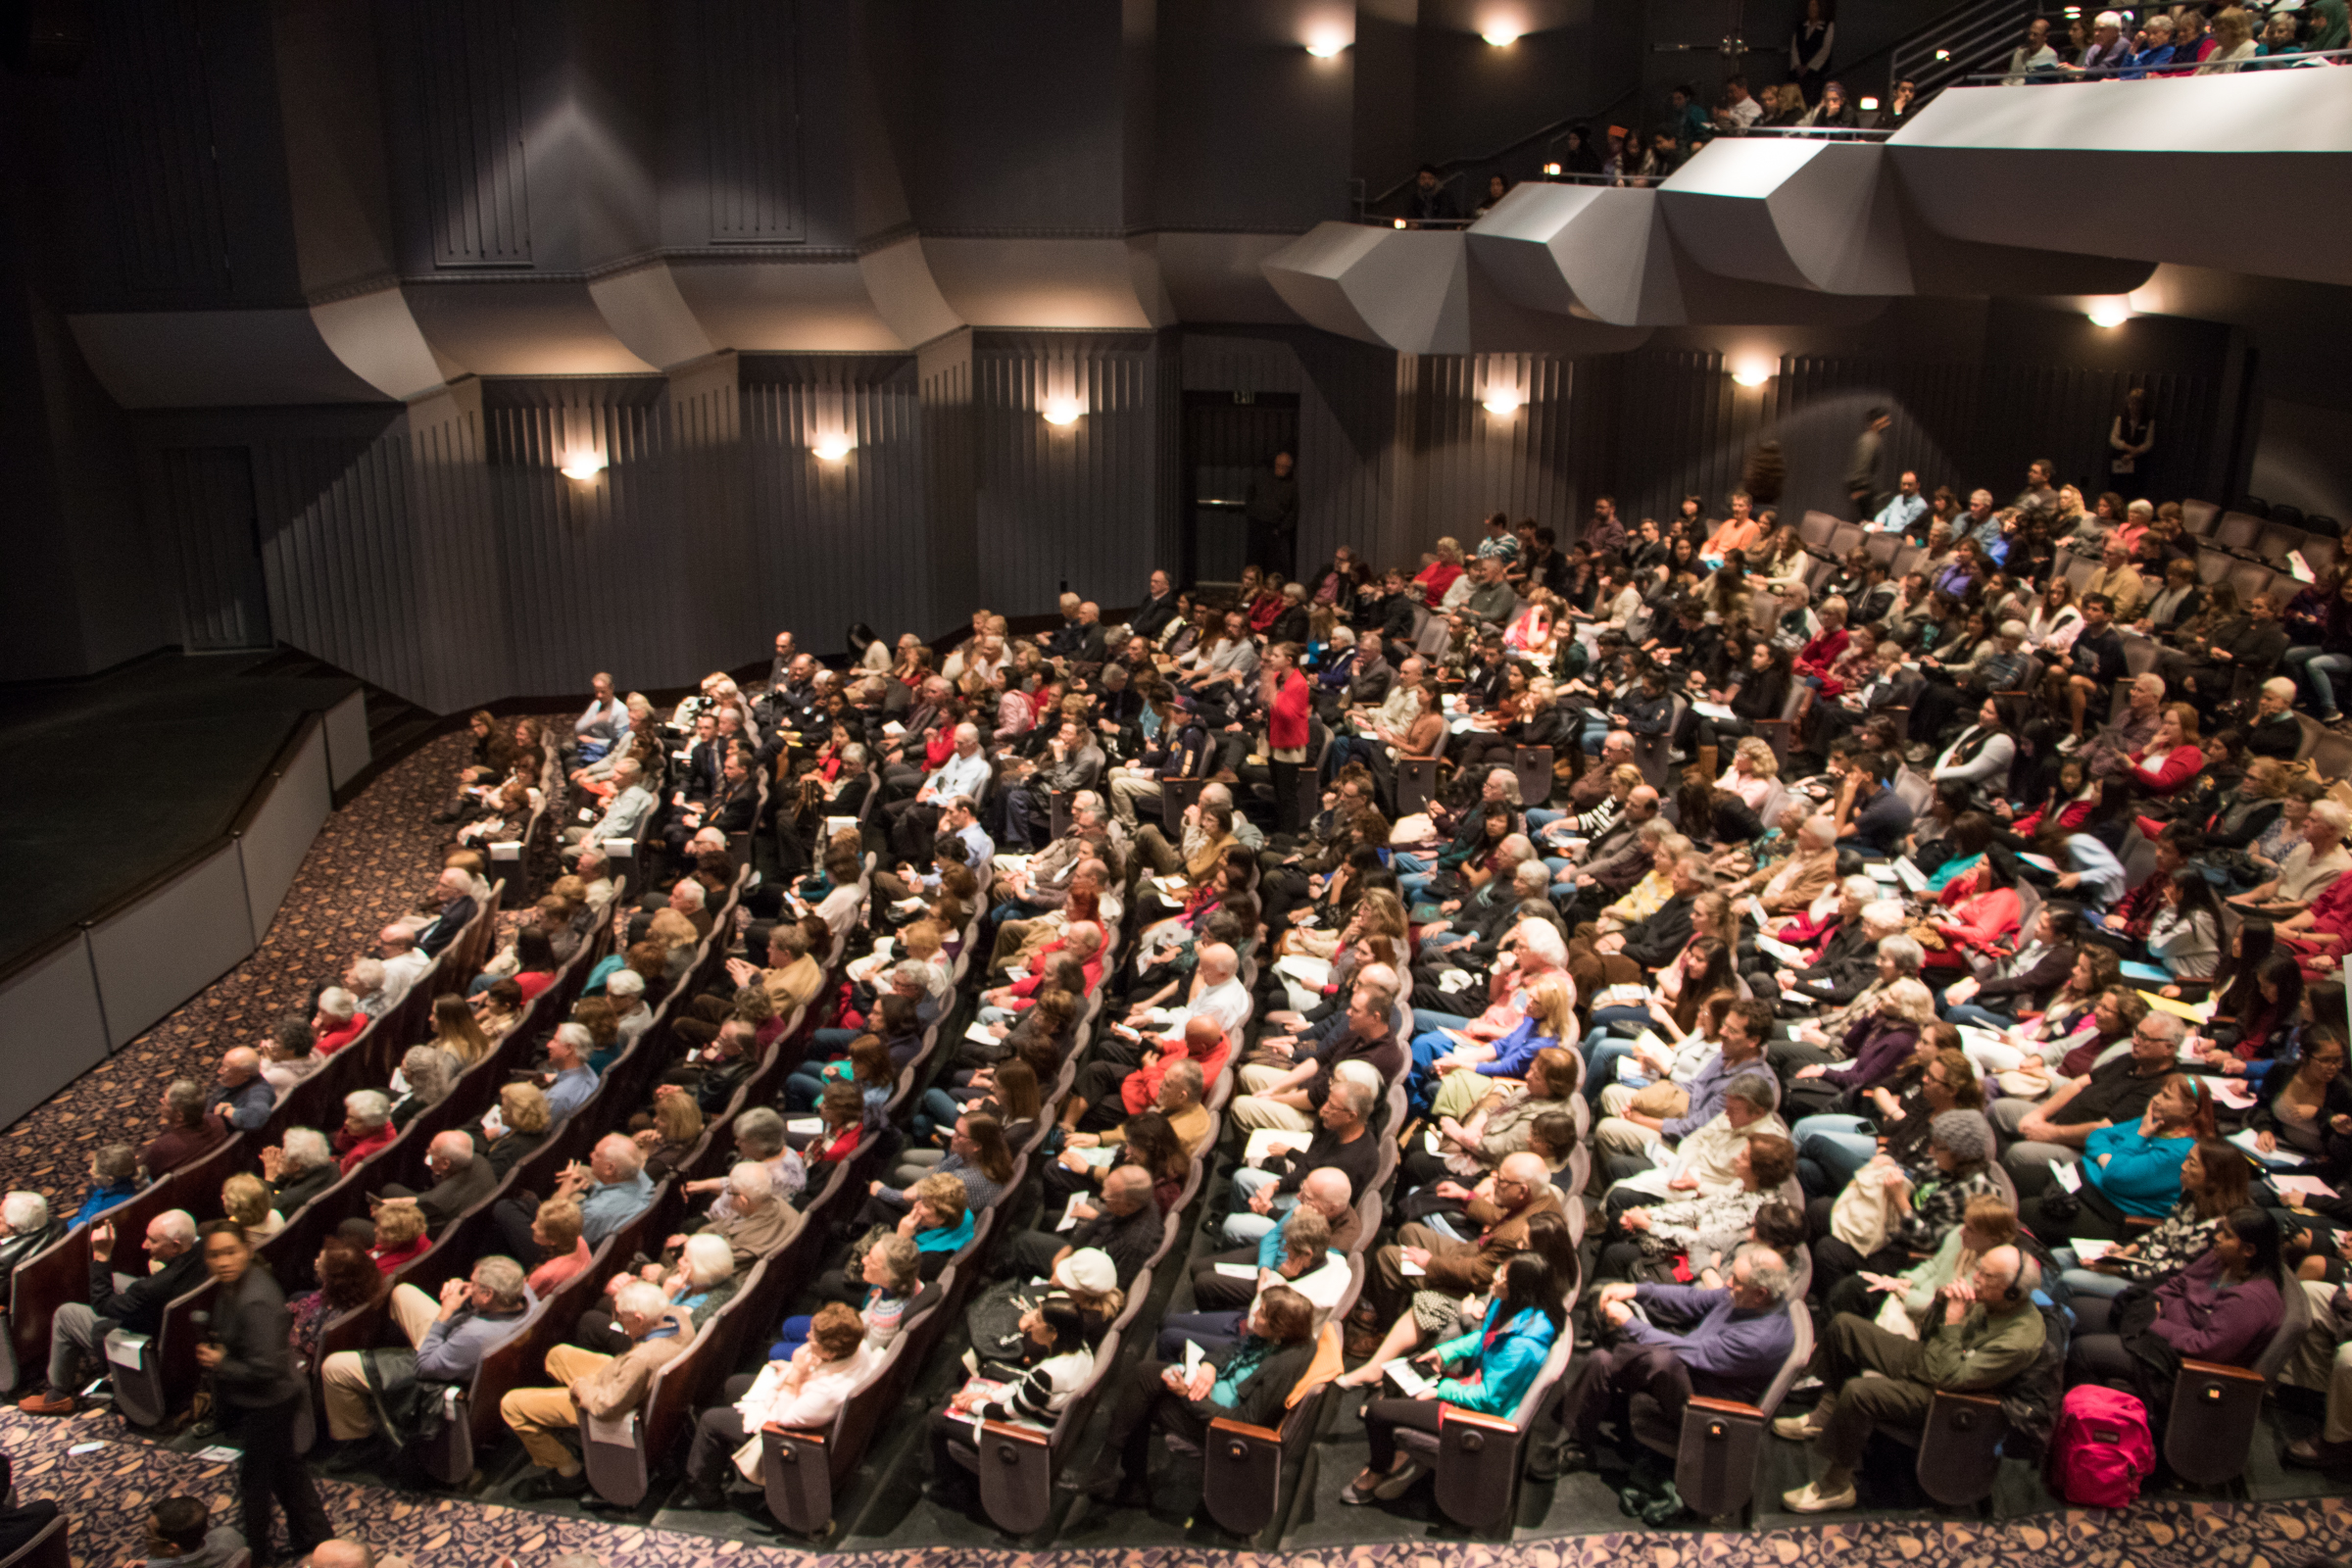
1875,946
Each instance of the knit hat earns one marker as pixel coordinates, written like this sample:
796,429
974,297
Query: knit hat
1089,1269
1965,1133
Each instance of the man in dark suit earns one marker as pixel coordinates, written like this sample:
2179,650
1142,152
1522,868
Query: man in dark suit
456,891
1153,617
77,1330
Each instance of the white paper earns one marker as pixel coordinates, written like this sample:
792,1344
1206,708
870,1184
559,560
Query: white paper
2040,862
2244,1138
1100,1156
1194,1356
1714,711
2087,1251
1408,1379
1268,1142
1647,1043
892,728
2066,1176
978,1035
220,1453
1012,863
1909,877
840,824
2231,1092
1069,1213
1237,1271
1410,1269
804,1124
2302,1187
1780,951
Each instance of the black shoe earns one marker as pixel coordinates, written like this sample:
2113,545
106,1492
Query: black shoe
698,1501
1100,1479
551,1484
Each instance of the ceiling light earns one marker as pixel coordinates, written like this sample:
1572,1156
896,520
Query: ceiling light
1503,35
833,448
582,466
1943,54
2110,313
1062,411
1551,169
1503,401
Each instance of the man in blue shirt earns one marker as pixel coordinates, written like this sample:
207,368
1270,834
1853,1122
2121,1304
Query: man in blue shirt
1733,1345
243,1097
574,1080
1904,509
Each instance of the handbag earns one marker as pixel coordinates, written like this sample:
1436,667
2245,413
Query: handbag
1858,1217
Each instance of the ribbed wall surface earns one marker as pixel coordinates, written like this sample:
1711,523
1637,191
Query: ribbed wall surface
1081,505
1468,463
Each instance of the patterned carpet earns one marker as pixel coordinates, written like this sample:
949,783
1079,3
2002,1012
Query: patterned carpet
375,855
370,860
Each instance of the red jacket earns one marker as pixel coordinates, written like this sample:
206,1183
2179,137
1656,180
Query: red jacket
334,1039
1817,655
354,1150
2180,764
1139,1090
1434,579
1286,720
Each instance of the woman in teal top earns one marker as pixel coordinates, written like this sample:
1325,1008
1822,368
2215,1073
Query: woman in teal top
1487,1370
2130,1168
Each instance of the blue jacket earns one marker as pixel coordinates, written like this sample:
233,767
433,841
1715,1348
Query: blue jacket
102,1198
452,1347
1729,1353
1515,1051
1506,1368
2141,1175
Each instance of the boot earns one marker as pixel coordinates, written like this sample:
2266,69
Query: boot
1707,764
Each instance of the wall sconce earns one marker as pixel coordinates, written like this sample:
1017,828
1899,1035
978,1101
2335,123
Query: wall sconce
827,426
833,448
1503,401
2110,314
1753,371
1500,35
1061,412
1326,46
582,464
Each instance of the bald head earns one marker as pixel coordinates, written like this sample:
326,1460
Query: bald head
1126,1189
1526,1170
340,1553
238,1064
1218,962
1328,1192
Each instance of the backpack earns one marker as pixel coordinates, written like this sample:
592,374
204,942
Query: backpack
2101,1451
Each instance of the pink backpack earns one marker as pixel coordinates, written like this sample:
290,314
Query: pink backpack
2101,1450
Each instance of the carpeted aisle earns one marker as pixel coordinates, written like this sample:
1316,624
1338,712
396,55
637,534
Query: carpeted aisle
369,861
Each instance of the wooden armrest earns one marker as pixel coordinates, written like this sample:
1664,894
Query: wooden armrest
798,1434
1988,1401
2216,1369
1724,1406
1006,1428
1475,1418
1244,1429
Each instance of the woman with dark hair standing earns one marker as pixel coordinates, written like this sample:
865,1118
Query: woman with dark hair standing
249,1353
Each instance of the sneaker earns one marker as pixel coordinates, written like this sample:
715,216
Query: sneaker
51,1403
2070,744
2315,1453
1400,1482
1810,1499
1796,1428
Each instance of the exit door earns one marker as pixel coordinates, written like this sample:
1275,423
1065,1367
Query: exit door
1228,436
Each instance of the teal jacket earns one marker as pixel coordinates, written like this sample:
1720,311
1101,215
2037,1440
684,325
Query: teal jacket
2142,1175
1506,1368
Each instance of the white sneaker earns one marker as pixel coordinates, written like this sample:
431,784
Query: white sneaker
1810,1499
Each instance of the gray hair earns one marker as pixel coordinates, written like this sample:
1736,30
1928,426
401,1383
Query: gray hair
1356,1095
367,1106
1532,875
1767,1270
2166,1025
337,1002
368,972
504,1279
302,1149
1757,1090
177,1224
912,972
1885,913
576,1038
759,1129
428,1072
1510,783
1903,953
24,1212
1861,887
695,893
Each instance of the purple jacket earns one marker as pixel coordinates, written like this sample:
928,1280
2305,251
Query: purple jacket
2202,1319
1729,1353
1876,1048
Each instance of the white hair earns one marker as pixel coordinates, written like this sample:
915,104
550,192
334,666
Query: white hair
641,1299
1903,953
695,893
750,1181
576,1038
303,1149
1885,913
24,1212
337,1002
1861,887
708,1259
2333,814
1541,939
367,1106
368,972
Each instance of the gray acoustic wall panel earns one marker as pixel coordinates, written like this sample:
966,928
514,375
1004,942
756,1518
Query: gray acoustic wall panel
279,834
182,936
53,1023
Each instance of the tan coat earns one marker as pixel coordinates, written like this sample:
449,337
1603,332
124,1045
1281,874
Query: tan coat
620,1384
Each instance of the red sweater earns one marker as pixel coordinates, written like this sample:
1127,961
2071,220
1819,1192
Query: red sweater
1286,720
1139,1090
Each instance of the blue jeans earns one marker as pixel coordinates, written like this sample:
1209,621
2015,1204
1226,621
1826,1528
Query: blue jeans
1244,1226
1539,816
1981,1017
1833,1146
936,1109
2313,667
2086,1281
1602,1051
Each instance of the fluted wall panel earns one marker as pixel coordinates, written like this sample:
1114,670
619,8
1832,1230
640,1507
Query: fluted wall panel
1468,462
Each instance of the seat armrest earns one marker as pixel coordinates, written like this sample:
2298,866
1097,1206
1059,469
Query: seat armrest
1724,1407
1478,1418
1986,1401
2216,1369
1243,1429
1029,1434
797,1433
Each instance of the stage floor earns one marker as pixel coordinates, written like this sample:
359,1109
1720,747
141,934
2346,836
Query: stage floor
109,781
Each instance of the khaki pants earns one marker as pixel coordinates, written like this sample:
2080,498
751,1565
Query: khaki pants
2318,1362
1623,1137
1250,1111
1128,787
350,1407
1460,1093
543,1417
